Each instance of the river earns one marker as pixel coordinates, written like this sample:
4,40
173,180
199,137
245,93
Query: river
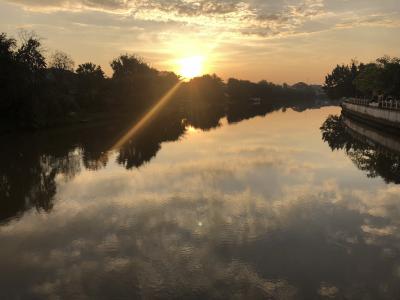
269,207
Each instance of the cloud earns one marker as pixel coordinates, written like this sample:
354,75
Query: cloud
381,20
259,18
264,18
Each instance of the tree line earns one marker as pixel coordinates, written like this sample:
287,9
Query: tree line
36,92
381,77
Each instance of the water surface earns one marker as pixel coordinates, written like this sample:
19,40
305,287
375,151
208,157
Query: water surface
259,209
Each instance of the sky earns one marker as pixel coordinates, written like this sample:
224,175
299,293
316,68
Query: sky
276,40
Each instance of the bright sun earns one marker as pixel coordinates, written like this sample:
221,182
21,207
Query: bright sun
191,66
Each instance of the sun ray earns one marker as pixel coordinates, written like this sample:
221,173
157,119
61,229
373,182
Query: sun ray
147,117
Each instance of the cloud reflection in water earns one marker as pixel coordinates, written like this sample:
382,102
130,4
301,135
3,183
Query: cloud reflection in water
268,213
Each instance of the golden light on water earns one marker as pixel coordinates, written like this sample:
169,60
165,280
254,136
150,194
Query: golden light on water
190,67
147,117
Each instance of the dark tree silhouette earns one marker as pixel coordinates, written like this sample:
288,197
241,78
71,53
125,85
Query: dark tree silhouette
381,77
61,61
90,70
38,95
8,76
391,75
127,66
340,83
30,54
92,88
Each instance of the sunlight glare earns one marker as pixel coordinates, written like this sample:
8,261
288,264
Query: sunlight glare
191,66
191,130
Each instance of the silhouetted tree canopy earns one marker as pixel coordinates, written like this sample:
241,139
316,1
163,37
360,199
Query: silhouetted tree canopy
381,77
369,80
127,66
30,54
390,75
8,72
7,46
90,70
243,92
340,83
61,61
37,94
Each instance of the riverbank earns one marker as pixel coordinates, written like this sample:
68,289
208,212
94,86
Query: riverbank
80,121
376,116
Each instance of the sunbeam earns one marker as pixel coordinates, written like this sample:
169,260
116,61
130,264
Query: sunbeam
147,117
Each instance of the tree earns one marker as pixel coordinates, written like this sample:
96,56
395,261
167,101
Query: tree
369,80
30,54
90,86
90,70
208,89
29,73
130,65
134,82
7,71
7,46
61,61
207,101
240,91
390,75
340,83
379,77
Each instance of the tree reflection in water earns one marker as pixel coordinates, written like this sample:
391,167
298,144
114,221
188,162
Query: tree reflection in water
31,163
230,241
366,153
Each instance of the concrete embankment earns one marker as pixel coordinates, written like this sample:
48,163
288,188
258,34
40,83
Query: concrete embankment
374,115
373,136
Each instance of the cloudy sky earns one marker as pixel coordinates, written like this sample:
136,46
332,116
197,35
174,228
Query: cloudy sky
277,40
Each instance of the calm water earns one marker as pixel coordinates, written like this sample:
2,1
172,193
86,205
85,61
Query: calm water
259,209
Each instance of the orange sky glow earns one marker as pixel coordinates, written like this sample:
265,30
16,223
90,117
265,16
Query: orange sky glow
276,40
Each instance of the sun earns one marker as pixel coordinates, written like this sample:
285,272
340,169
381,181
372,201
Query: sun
190,67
